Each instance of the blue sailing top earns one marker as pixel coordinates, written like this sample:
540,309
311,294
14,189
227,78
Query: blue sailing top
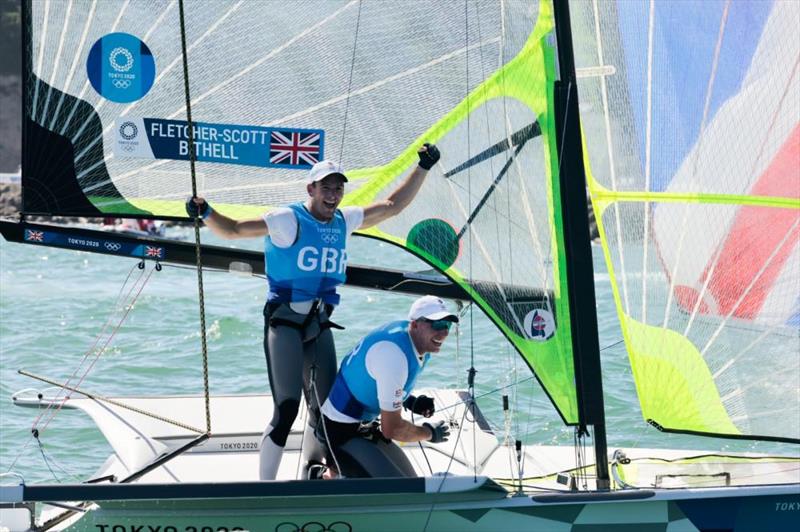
354,392
313,266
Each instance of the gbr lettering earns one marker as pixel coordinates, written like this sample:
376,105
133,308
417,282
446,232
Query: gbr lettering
329,260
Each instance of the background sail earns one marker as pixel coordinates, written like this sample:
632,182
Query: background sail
692,126
273,90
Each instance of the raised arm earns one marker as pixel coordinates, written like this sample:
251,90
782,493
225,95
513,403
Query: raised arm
222,225
405,193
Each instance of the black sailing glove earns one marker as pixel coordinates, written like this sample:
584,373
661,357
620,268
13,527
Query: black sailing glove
194,210
422,405
429,157
439,432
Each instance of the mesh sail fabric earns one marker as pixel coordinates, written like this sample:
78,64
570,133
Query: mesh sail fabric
692,126
373,80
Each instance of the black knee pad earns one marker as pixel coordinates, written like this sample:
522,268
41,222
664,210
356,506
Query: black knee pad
282,420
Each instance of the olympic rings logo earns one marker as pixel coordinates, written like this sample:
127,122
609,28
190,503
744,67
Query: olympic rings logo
314,526
126,55
128,130
113,246
329,238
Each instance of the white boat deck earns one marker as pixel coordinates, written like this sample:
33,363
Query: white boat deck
237,423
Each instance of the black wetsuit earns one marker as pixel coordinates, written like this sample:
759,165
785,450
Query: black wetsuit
286,335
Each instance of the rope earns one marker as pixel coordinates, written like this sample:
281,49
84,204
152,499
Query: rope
111,402
93,349
51,411
472,371
192,156
350,82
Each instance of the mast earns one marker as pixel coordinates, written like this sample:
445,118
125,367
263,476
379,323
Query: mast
580,271
27,68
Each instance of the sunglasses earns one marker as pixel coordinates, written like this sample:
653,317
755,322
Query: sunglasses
438,325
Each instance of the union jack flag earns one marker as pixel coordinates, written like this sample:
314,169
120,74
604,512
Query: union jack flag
34,236
295,148
150,251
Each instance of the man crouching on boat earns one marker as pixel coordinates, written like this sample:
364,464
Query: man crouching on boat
376,379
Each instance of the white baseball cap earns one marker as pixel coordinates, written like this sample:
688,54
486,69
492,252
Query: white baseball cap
432,308
323,169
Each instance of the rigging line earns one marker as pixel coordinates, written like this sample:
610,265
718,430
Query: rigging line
92,348
98,352
52,460
475,213
471,378
46,462
111,402
513,425
791,237
422,447
350,81
321,421
192,157
486,255
447,471
505,216
454,405
489,191
647,167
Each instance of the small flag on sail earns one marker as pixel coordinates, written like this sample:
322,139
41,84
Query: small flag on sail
294,148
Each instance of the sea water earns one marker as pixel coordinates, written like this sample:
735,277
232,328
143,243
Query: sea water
56,306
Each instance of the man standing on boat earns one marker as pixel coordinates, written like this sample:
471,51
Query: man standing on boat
305,251
375,380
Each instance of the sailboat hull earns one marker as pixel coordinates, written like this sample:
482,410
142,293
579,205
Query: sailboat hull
405,505
213,487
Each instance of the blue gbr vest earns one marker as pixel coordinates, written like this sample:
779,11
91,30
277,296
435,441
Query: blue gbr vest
354,392
313,266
